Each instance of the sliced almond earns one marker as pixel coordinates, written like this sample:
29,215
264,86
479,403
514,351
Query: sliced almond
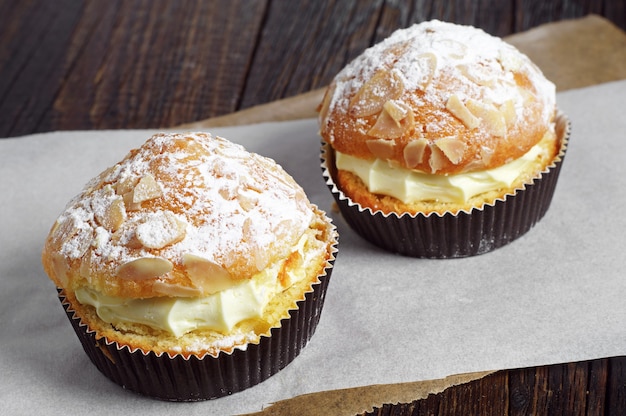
161,229
64,229
146,189
454,48
247,199
491,117
381,148
430,62
133,242
509,60
73,239
128,198
126,185
485,155
384,85
477,75
453,148
509,113
395,120
460,111
85,266
114,214
396,110
205,274
437,159
79,243
414,152
101,238
228,191
125,236
144,268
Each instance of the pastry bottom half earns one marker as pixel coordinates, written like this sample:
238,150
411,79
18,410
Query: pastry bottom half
205,365
436,230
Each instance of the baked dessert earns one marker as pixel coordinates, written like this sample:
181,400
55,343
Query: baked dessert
191,269
434,125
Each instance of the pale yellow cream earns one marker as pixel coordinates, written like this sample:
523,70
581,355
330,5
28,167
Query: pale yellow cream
383,177
220,311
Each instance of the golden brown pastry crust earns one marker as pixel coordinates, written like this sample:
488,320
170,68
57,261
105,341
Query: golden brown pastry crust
438,98
183,215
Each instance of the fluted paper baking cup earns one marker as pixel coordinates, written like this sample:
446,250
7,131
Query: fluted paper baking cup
193,378
449,235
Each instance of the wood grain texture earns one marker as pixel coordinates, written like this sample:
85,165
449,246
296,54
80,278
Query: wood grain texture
122,64
78,64
594,387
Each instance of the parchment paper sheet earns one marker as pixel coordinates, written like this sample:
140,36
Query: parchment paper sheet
555,295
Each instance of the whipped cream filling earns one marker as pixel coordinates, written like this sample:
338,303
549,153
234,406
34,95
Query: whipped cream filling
386,178
220,311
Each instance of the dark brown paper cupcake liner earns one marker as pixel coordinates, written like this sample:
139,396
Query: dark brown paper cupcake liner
466,233
193,378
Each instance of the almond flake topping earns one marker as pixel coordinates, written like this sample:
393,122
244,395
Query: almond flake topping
146,189
126,185
476,74
414,152
206,274
394,121
144,268
75,239
384,85
437,159
114,214
460,111
397,111
453,148
160,230
508,111
491,117
454,48
431,62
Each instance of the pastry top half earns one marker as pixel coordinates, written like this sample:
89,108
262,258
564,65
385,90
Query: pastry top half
438,98
184,215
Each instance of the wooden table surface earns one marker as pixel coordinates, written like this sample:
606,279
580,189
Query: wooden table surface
73,65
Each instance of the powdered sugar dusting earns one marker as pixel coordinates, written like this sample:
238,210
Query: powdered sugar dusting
483,65
215,200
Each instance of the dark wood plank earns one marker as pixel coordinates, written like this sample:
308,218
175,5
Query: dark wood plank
530,13
520,387
596,386
616,387
78,64
561,389
323,36
495,20
123,64
166,62
34,39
